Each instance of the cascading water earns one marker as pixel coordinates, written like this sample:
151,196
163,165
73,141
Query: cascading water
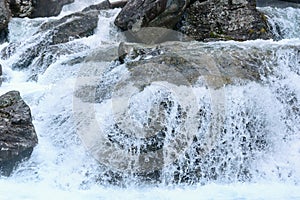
252,144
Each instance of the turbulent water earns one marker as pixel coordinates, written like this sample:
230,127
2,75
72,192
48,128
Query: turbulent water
61,167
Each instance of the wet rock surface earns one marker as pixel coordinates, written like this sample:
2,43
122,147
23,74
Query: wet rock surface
4,19
17,133
37,8
53,35
0,74
138,13
279,3
174,66
77,25
225,20
202,20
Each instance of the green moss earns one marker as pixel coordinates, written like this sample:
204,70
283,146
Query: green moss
213,34
263,30
264,18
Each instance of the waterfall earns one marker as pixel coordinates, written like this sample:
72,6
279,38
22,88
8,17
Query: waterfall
247,133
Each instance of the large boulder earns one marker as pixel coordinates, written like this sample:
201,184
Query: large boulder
46,8
60,31
140,92
226,20
4,19
37,8
17,133
76,25
149,13
199,19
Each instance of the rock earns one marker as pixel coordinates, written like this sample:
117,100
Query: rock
17,133
278,3
225,20
50,56
0,74
203,20
189,60
47,8
105,5
70,27
153,73
21,8
76,25
37,8
149,13
4,19
293,1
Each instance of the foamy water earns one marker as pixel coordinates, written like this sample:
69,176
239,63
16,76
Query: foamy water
62,168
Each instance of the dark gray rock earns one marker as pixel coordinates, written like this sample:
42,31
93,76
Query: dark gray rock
47,8
17,133
21,8
105,5
203,20
4,19
185,65
0,74
225,20
50,55
293,1
37,8
76,25
150,13
278,3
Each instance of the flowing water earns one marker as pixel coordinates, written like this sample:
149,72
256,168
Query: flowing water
257,156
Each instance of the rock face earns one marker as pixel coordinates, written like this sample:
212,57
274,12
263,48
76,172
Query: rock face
17,133
212,19
37,8
76,25
149,13
104,5
21,8
4,19
226,20
46,8
81,24
160,71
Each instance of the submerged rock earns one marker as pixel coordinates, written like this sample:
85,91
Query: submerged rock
17,133
4,19
52,35
37,8
156,115
225,20
76,25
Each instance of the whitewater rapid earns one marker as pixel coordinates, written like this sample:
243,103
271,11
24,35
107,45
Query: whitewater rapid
61,168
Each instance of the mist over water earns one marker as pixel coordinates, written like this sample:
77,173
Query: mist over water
256,151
